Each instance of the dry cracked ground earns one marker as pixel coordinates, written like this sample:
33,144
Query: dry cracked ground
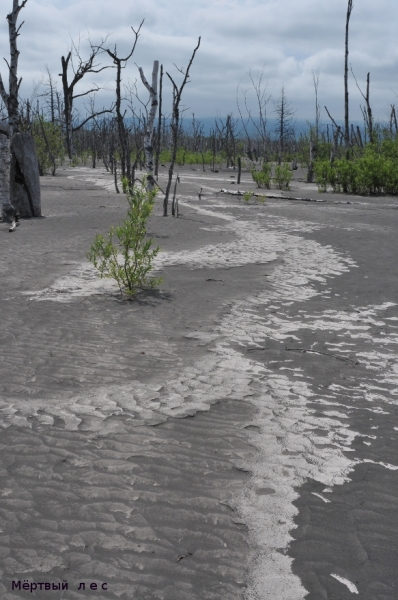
232,434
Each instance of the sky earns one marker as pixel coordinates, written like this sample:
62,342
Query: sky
286,40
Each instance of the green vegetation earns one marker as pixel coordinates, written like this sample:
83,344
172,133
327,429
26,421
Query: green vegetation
130,259
263,177
247,196
282,176
373,170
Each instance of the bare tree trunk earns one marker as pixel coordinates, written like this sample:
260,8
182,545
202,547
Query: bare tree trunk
68,104
335,144
125,163
173,204
346,104
367,113
310,173
159,133
148,133
7,210
359,136
315,79
19,169
393,119
10,99
82,69
177,93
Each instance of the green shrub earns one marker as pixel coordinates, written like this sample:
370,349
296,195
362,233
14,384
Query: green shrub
130,259
369,173
322,170
282,176
247,196
263,177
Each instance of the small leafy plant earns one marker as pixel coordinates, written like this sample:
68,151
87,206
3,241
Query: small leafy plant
125,254
263,177
247,196
283,176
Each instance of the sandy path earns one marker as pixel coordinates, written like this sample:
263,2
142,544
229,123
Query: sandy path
86,377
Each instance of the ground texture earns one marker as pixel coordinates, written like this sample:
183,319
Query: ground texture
232,434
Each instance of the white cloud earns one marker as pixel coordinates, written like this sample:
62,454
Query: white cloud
290,38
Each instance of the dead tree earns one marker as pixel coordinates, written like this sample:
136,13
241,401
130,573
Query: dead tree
148,131
159,128
315,79
346,104
366,112
227,135
20,185
175,122
314,135
83,68
120,63
336,135
393,120
259,85
8,213
284,128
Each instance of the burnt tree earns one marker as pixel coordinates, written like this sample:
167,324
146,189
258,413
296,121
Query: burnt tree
346,103
83,68
123,132
175,123
150,120
20,186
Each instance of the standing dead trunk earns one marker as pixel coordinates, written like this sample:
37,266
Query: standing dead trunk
159,131
336,136
175,123
310,173
148,132
19,171
367,113
7,210
120,63
346,104
174,204
24,177
68,88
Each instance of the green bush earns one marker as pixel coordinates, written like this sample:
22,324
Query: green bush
322,170
282,176
370,173
263,177
130,259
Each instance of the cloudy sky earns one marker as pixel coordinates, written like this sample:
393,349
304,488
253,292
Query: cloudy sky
289,39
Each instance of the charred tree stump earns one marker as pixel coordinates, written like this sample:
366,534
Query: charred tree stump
24,176
8,212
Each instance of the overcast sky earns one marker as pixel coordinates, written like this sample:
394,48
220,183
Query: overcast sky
287,38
